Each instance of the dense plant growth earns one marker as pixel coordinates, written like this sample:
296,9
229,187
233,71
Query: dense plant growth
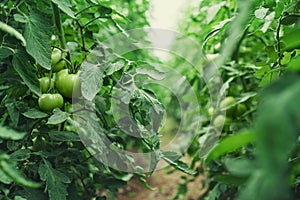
71,105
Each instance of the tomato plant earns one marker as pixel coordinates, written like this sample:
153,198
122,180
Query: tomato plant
56,147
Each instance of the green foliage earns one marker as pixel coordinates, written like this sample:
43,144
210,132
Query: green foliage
251,154
253,43
46,147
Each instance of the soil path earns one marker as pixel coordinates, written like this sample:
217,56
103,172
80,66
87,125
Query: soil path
166,183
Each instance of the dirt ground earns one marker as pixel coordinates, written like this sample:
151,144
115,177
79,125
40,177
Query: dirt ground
165,183
166,186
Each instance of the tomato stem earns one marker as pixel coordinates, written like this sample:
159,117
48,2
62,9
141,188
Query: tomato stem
58,24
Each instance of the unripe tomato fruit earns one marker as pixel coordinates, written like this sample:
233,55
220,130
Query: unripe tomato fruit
219,121
228,101
45,85
68,84
57,61
48,102
210,111
240,109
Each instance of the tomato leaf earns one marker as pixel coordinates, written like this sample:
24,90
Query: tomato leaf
58,117
10,134
4,178
20,155
4,53
261,12
38,35
276,132
291,39
35,114
22,65
55,181
11,171
91,80
113,67
230,144
64,136
65,6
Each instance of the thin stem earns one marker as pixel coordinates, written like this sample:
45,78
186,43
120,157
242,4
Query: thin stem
235,55
84,10
278,42
58,24
81,35
92,20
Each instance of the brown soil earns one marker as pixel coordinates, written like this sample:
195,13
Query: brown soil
165,182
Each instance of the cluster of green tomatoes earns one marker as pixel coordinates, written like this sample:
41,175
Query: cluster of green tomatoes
64,84
228,106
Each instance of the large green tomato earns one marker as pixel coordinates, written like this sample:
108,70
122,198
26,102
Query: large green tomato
228,101
45,85
57,61
48,102
68,84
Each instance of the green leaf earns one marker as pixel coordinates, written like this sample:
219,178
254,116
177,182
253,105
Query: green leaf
240,167
38,36
91,78
19,198
22,65
172,159
277,129
213,11
230,144
4,52
65,6
55,181
64,136
10,134
58,117
268,21
113,67
230,179
294,65
13,113
4,178
261,12
10,30
290,19
35,114
291,40
20,18
16,176
33,194
20,155
152,73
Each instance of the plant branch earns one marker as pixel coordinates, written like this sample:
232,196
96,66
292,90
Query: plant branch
58,24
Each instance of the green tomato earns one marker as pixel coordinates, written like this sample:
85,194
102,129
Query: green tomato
240,109
219,121
68,84
45,85
57,61
210,111
48,102
225,103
